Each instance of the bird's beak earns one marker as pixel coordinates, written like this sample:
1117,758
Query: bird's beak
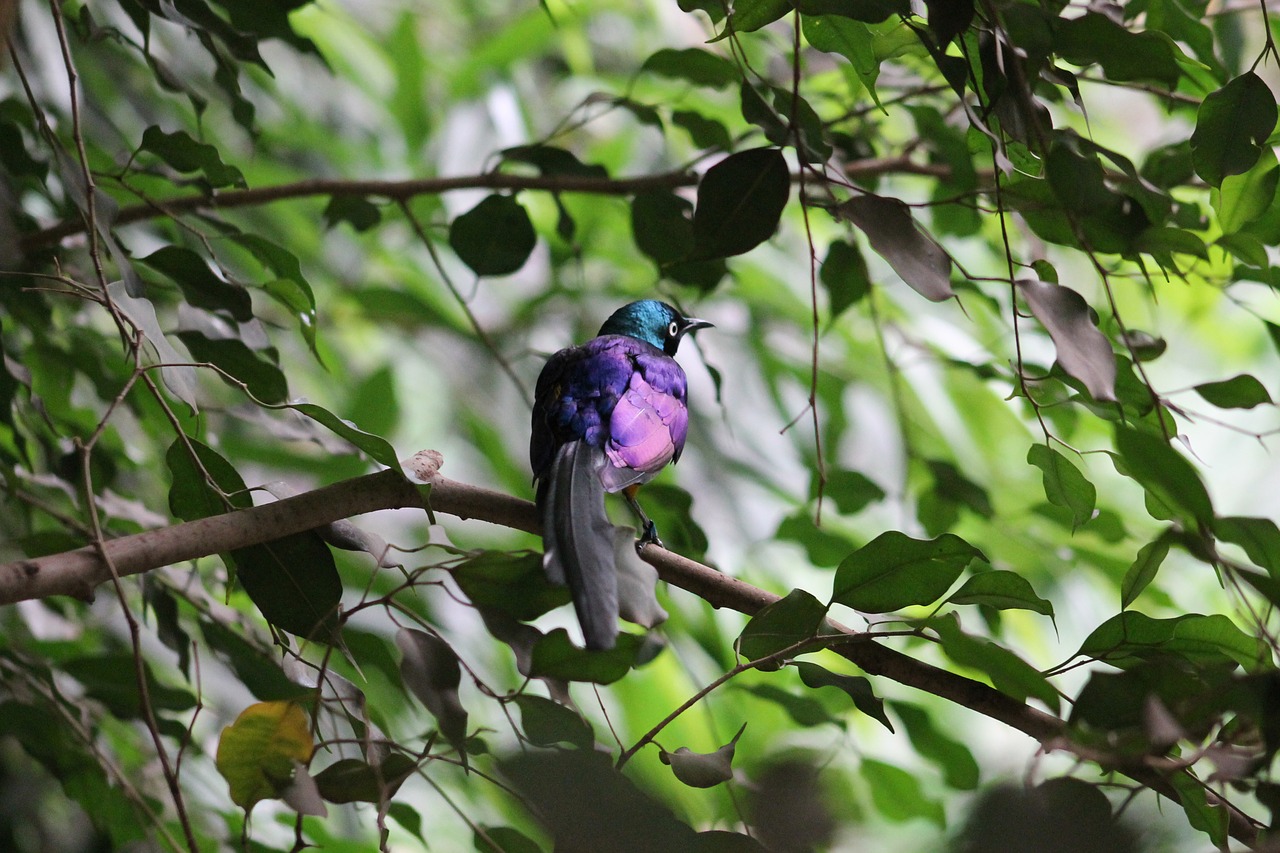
692,324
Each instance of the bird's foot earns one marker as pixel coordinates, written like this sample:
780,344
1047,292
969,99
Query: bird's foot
649,536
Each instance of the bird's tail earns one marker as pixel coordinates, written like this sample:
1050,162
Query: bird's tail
578,539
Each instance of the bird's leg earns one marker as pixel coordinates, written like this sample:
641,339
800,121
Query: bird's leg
649,536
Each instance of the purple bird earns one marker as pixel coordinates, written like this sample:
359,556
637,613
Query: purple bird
607,417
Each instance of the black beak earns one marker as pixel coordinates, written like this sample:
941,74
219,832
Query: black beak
692,324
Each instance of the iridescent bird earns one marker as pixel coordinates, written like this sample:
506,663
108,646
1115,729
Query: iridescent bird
607,417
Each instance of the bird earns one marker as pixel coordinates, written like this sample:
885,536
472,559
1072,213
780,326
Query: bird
607,417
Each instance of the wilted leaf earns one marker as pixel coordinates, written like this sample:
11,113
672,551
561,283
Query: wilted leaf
256,753
1083,351
896,237
702,770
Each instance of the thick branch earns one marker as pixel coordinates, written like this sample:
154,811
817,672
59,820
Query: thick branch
78,572
406,189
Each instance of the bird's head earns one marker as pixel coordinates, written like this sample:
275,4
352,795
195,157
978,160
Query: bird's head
654,322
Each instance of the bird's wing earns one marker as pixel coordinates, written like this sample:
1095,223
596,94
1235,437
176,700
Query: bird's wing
648,424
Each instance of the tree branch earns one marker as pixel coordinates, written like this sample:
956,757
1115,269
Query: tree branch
406,189
77,572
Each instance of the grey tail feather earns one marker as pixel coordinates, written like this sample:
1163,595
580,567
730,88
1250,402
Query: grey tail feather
578,540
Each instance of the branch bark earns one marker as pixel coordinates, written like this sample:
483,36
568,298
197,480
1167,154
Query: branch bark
406,189
76,573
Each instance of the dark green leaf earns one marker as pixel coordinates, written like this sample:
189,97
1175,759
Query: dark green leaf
1130,637
697,66
357,211
1246,198
547,723
1259,537
844,275
256,670
705,132
803,710
495,237
549,160
740,200
750,15
431,671
238,364
671,508
351,780
851,39
790,620
1231,127
1009,673
958,766
1083,351
856,687
511,582
898,795
504,839
1002,590
1124,55
1064,485
822,547
1144,568
294,583
199,284
1164,473
896,237
1238,392
895,571
204,486
185,154
377,448
112,680
662,225
869,11
555,656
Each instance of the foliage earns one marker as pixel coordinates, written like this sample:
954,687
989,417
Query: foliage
996,325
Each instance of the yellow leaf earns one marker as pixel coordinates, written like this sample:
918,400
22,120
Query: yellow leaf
256,753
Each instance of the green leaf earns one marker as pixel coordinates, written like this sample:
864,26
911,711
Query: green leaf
237,363
868,11
750,15
1064,485
550,160
1164,473
662,225
705,132
1259,537
495,237
1130,637
852,491
1144,568
1238,392
844,275
377,447
351,780
790,620
803,710
822,547
185,154
1231,127
111,679
290,287
430,669
959,768
895,571
1002,590
894,234
856,687
1245,198
740,200
256,670
555,656
1083,351
294,583
695,65
897,794
192,495
547,723
1211,819
1124,55
513,583
1009,673
199,285
355,210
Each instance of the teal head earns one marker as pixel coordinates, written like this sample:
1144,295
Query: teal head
653,322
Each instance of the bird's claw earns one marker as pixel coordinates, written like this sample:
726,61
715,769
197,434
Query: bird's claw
649,536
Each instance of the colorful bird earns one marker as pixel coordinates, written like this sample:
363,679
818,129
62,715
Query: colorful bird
607,417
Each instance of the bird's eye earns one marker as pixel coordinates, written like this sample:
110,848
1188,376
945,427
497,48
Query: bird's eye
673,329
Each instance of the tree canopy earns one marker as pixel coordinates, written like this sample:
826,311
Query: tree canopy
972,545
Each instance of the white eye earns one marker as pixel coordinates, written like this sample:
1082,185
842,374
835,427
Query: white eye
673,329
